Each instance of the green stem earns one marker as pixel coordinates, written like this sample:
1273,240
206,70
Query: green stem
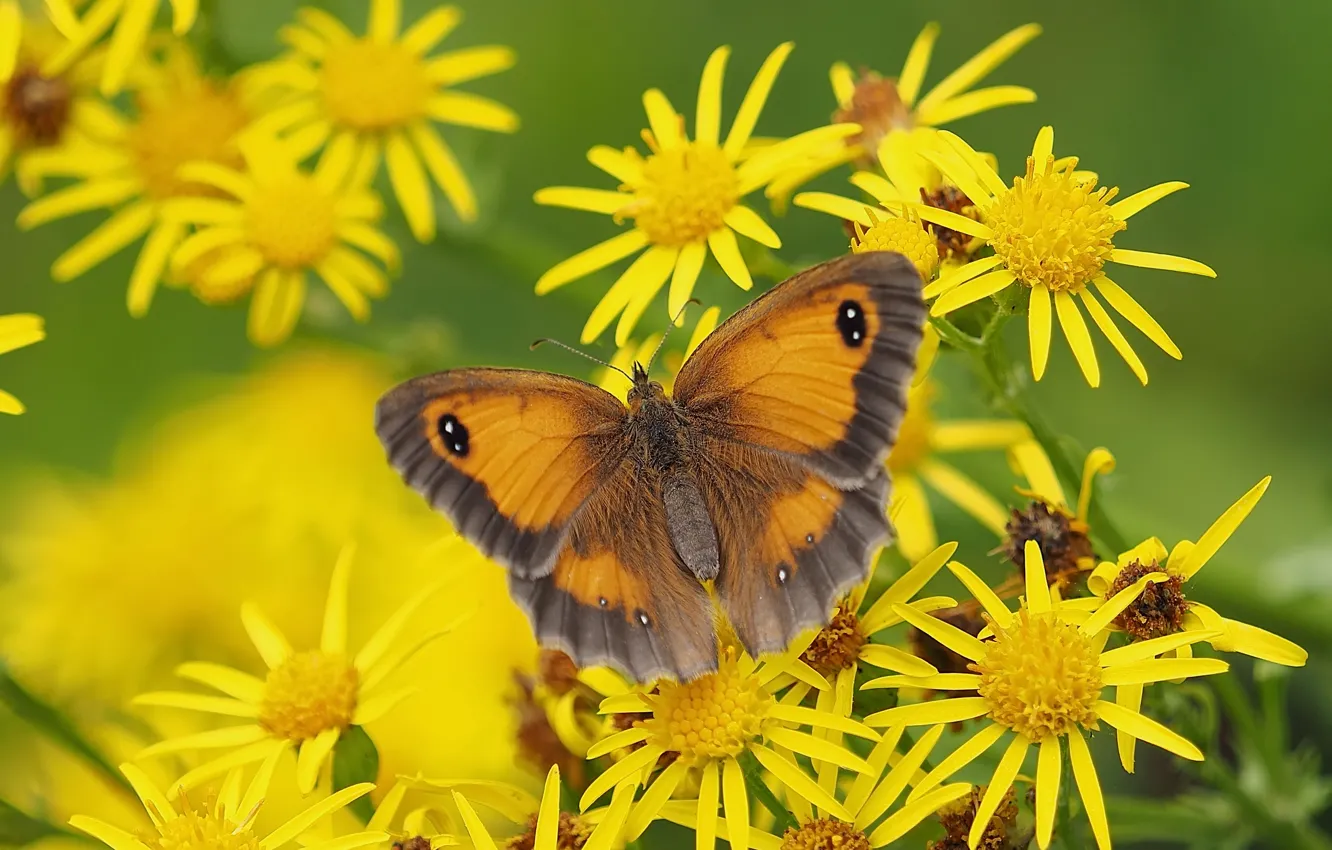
754,780
1072,836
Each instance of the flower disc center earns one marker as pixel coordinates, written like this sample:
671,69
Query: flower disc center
825,834
307,694
1040,676
685,194
292,221
713,716
372,86
203,829
1053,229
198,125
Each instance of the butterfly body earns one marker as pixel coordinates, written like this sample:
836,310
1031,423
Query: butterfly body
763,474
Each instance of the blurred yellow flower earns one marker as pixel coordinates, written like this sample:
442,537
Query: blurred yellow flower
16,331
249,494
547,828
706,726
226,821
48,97
914,462
1039,674
892,111
133,19
276,224
1165,621
379,95
683,198
1053,232
308,697
133,167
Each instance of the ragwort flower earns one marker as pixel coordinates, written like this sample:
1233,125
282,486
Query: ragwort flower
133,166
704,727
683,199
227,820
1164,617
1039,675
308,698
16,331
379,96
278,224
1053,232
894,111
546,827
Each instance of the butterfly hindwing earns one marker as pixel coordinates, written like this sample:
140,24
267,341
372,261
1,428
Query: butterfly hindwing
791,543
797,400
619,594
817,368
508,455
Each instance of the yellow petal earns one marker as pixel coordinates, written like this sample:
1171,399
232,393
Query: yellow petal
646,276
649,805
1038,591
959,758
965,493
444,170
891,787
432,28
805,716
799,783
113,837
917,62
961,274
593,259
229,681
963,435
908,817
623,770
945,633
1075,331
746,222
198,702
1089,787
1260,643
843,82
972,291
122,228
471,63
308,818
619,740
724,248
1004,774
687,268
953,710
979,66
663,119
576,198
1143,727
313,754
618,164
1035,466
1167,262
1047,789
910,512
989,600
835,205
735,802
1161,670
1042,151
1115,605
334,636
755,97
1219,532
971,103
1139,201
707,123
476,830
1112,333
879,616
136,18
1039,322
464,109
817,749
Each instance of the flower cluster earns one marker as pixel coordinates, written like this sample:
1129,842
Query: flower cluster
943,704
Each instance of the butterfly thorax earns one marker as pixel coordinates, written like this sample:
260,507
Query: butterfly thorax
656,423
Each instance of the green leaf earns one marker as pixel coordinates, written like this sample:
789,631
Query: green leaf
54,725
18,828
356,759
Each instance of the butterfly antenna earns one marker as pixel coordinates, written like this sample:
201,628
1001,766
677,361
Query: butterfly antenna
580,353
667,332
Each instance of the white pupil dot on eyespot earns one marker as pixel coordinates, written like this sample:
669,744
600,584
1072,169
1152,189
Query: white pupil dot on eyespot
448,427
603,602
850,312
643,618
781,575
809,538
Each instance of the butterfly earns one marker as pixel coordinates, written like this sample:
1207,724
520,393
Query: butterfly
763,474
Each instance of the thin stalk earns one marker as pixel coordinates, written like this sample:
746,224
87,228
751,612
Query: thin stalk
760,790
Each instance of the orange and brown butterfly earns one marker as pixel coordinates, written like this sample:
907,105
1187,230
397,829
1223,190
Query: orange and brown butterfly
763,473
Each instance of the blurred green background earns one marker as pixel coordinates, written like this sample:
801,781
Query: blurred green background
1227,96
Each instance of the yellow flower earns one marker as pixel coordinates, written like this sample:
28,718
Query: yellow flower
1039,674
893,111
47,97
132,19
852,825
1164,614
547,827
615,381
227,820
308,697
379,95
289,473
705,726
279,224
16,331
914,462
133,166
683,198
1053,232
1063,535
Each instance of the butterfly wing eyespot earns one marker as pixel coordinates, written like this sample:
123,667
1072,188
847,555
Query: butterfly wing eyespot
509,456
797,399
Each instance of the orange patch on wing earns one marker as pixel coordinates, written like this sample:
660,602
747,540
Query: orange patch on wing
600,577
797,521
797,373
527,452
